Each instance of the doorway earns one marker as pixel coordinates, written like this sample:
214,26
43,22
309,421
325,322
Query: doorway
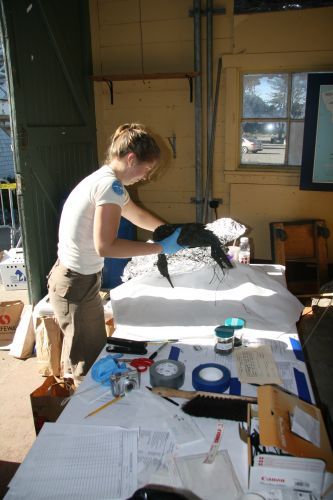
48,63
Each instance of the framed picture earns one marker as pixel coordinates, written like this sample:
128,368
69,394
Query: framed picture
317,156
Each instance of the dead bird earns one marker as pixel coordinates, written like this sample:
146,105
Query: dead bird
192,235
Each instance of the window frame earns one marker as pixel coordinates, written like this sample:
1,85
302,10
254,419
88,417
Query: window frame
285,167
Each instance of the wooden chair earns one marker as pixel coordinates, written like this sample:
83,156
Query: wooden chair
301,246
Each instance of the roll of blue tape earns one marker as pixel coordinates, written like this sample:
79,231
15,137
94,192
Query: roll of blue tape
211,377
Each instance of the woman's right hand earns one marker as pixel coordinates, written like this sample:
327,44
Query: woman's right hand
169,244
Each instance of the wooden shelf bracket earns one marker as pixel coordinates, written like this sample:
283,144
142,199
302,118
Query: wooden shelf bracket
109,79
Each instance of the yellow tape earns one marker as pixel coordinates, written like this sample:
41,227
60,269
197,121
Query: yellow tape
8,186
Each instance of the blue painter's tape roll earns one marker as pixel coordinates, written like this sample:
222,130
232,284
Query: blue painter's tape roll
211,377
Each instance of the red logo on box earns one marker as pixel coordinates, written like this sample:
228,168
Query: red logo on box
4,319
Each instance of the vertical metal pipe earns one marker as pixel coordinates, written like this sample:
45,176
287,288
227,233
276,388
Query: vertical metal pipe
12,212
198,108
3,209
212,141
209,93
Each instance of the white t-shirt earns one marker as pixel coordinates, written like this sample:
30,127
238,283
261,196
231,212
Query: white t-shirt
76,245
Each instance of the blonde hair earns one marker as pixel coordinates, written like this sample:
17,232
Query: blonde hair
133,138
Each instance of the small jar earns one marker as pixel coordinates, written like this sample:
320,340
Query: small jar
224,340
237,324
244,251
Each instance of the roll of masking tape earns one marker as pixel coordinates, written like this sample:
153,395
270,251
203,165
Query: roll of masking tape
211,377
167,373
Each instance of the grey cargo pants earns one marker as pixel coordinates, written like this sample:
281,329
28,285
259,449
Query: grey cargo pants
79,311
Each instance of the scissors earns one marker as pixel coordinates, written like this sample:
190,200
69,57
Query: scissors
140,364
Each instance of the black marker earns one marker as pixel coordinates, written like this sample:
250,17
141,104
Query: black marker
153,356
164,397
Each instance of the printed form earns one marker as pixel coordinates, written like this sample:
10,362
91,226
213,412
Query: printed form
85,461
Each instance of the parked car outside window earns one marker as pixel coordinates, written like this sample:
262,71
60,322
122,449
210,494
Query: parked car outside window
276,139
251,145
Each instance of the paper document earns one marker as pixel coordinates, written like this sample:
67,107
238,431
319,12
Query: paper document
154,449
85,461
184,428
256,365
306,426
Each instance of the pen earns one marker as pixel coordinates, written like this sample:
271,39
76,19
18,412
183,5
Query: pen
158,341
153,356
104,406
165,397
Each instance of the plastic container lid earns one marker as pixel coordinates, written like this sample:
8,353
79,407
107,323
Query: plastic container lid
224,332
235,323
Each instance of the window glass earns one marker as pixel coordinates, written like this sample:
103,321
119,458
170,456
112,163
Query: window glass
295,143
265,96
273,118
263,142
298,95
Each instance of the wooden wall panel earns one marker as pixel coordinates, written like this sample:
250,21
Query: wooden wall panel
278,41
306,30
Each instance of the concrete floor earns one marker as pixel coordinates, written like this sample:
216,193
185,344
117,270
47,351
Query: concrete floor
19,378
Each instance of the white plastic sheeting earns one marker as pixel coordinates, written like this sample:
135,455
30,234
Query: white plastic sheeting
203,299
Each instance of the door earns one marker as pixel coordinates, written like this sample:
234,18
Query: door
48,58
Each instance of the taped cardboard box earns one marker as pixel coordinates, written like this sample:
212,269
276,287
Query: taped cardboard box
10,314
298,464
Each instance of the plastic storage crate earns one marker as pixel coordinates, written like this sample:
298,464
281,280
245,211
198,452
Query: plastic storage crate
12,269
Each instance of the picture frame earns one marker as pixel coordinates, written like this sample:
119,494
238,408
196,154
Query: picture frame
317,154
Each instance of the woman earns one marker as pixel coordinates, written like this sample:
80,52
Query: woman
88,232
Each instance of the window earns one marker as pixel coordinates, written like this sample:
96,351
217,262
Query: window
272,121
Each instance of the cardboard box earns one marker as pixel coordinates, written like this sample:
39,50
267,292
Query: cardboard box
23,343
12,269
10,315
305,467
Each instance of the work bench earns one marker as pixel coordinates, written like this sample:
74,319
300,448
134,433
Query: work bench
149,430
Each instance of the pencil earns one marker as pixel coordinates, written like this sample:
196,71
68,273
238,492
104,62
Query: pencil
103,406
